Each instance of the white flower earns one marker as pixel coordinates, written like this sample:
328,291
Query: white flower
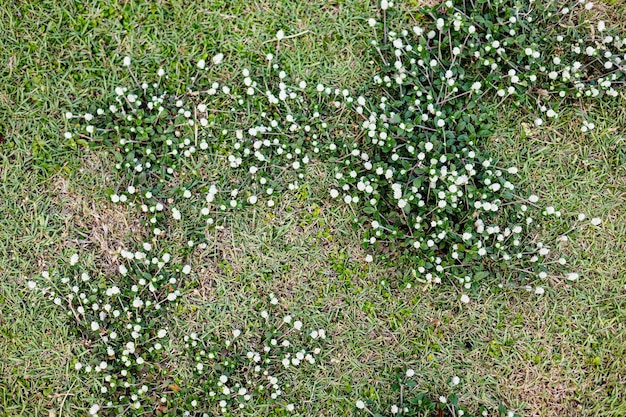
297,325
410,373
122,269
161,334
186,269
95,326
217,59
572,276
94,409
280,35
371,22
456,380
360,405
539,290
32,285
74,259
596,221
443,399
127,61
369,258
465,299
601,26
201,64
291,407
384,5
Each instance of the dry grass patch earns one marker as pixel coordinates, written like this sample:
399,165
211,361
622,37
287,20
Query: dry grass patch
91,220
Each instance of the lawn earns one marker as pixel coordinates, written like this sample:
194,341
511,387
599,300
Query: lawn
561,353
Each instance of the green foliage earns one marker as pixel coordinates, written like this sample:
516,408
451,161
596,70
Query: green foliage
415,172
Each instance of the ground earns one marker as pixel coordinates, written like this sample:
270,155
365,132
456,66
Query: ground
563,353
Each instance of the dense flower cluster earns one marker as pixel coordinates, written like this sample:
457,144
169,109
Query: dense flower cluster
246,370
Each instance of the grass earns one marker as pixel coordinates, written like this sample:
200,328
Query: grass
560,354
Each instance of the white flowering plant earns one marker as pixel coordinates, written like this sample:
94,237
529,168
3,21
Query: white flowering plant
246,368
410,164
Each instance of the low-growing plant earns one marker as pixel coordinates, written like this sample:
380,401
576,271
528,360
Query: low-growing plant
413,169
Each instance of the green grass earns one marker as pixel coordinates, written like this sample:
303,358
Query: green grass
560,354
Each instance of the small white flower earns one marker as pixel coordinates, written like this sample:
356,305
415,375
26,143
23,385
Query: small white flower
360,405
465,299
186,269
297,325
32,285
369,258
74,259
127,61
201,64
456,380
410,373
572,276
539,290
384,5
596,221
280,35
161,334
217,59
93,410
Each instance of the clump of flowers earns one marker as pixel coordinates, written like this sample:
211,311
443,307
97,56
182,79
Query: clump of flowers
247,369
421,175
121,316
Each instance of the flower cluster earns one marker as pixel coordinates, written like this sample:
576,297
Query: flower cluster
121,316
247,368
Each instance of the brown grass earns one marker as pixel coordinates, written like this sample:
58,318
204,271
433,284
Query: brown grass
95,223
